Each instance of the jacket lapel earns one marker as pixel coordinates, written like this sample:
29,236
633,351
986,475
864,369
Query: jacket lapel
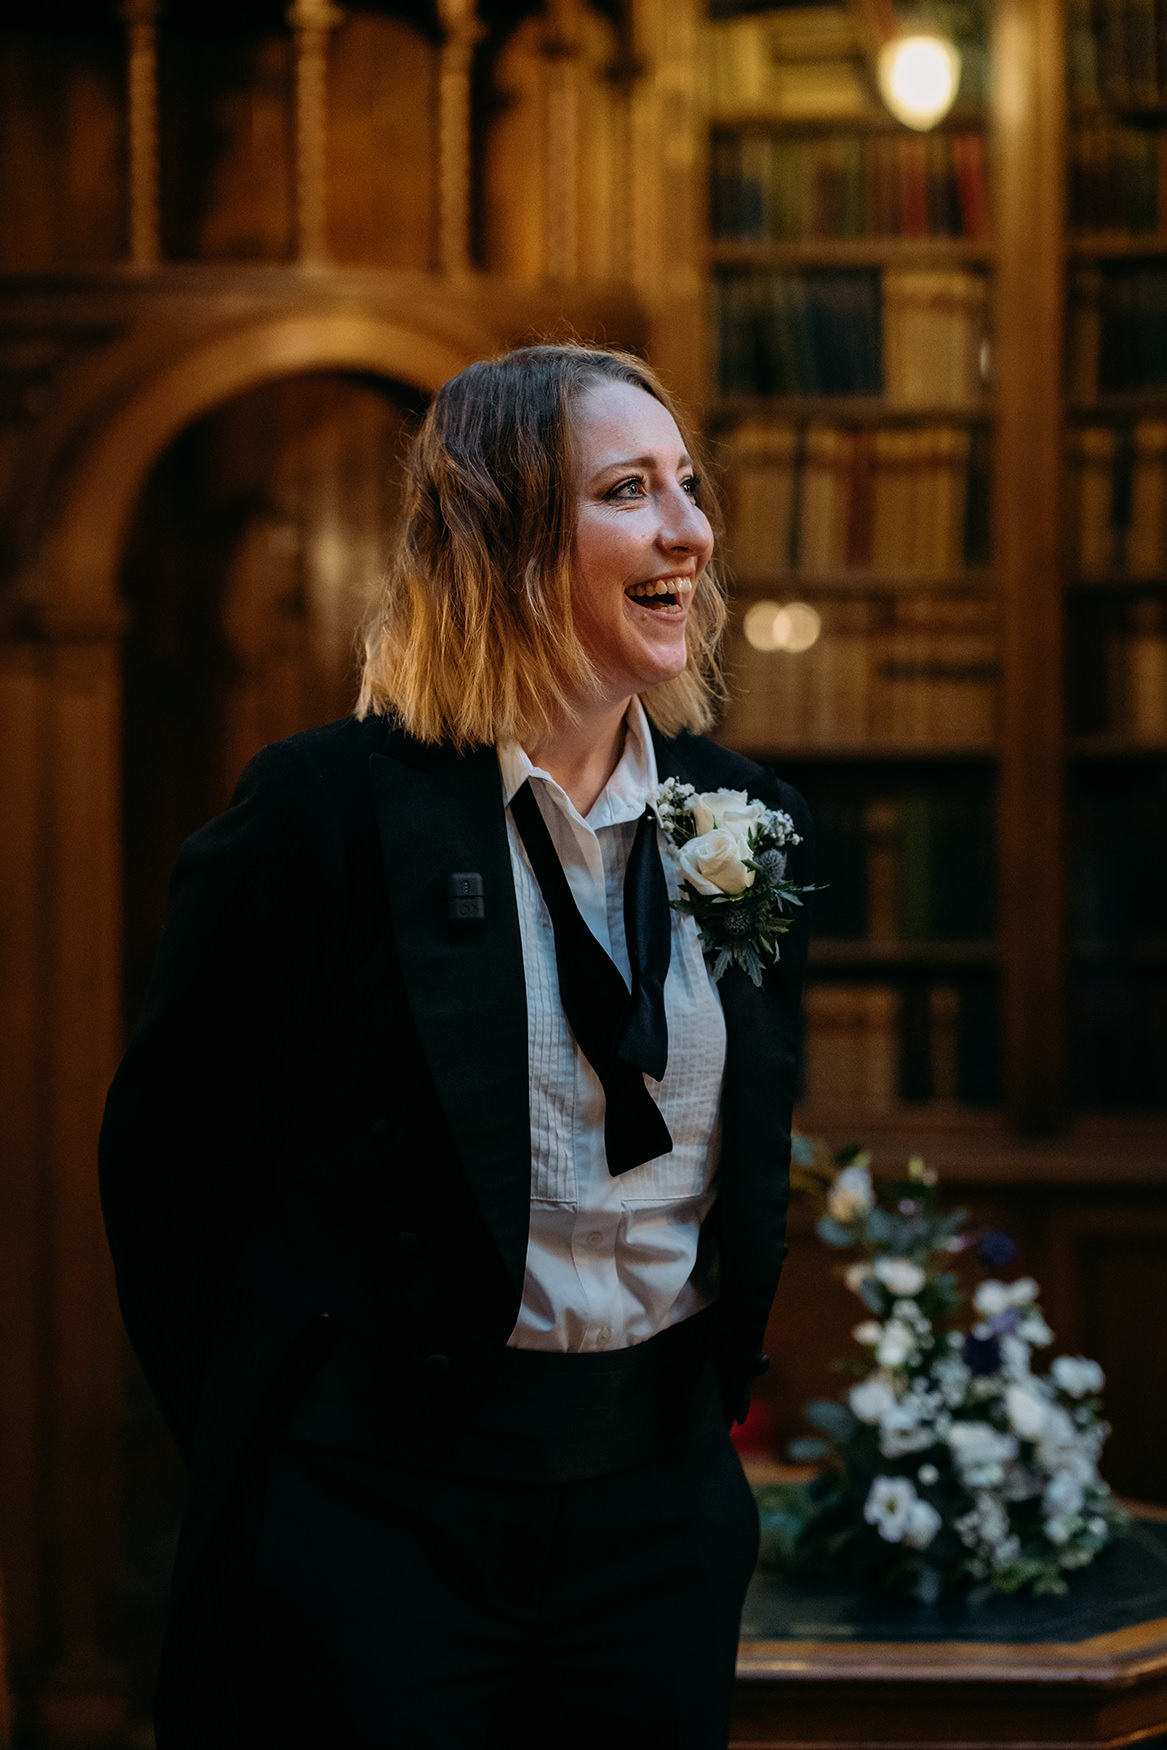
439,814
759,1072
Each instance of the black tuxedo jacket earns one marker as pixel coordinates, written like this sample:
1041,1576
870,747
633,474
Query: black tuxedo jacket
320,1131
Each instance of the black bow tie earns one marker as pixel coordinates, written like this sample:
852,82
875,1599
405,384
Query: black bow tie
623,1034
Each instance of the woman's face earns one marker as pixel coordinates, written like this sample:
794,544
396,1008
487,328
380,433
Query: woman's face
641,542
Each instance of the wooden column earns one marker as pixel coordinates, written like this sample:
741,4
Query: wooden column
60,1019
462,32
667,189
561,47
1028,138
312,20
141,21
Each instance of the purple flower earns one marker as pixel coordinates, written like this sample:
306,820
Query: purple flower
997,1249
982,1354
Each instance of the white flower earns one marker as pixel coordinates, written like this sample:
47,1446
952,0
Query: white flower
1027,1411
1033,1329
868,1333
900,1432
727,808
871,1399
994,1298
851,1195
712,863
980,1453
889,1507
923,1524
928,1474
896,1345
1064,1494
1076,1376
1058,1529
900,1275
951,1376
779,826
856,1275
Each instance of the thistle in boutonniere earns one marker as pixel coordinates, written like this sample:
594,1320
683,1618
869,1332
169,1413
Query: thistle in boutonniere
732,856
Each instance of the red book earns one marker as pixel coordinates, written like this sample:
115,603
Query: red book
913,167
968,160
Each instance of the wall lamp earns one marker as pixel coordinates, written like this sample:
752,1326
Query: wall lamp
918,78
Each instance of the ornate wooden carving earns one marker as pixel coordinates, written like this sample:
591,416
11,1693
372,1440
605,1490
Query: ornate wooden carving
312,20
462,32
141,21
563,50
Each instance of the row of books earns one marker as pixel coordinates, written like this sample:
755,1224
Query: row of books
1118,669
1118,328
1118,179
820,498
876,1044
899,672
904,861
1116,52
917,336
1118,495
778,187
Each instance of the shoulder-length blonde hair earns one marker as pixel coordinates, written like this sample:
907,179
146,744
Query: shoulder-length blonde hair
473,640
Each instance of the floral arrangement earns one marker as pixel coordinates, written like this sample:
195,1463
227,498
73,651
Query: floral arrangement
950,1462
732,856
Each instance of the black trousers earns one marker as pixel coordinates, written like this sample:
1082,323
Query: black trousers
364,1607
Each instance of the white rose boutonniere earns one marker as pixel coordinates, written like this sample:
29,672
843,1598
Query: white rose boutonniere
731,851
714,863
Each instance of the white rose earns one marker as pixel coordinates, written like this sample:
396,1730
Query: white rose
1076,1376
991,1298
1064,1494
923,1524
900,1275
896,1344
727,808
871,1400
712,863
851,1194
1027,1410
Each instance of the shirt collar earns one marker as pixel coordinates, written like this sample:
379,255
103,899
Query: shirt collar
624,795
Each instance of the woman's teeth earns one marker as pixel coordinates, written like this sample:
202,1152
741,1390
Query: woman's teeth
670,588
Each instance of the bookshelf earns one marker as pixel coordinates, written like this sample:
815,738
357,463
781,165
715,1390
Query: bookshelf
939,390
850,271
1114,561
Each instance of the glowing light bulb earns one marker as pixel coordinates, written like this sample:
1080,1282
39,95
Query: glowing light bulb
796,627
918,78
793,628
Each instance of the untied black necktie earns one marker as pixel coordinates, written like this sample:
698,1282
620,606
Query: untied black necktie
623,1034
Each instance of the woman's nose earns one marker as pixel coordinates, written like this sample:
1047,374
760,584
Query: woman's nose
684,523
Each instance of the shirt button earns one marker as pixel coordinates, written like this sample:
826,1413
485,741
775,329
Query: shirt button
603,1337
595,1237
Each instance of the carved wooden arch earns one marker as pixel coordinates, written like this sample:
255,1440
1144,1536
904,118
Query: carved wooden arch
81,562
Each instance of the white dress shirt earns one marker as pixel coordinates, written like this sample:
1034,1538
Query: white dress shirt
611,1261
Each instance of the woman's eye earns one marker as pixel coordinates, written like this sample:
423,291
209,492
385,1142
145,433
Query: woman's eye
692,486
626,489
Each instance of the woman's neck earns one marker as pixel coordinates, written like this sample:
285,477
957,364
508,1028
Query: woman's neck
582,755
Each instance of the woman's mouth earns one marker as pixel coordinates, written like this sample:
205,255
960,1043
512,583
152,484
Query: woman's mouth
661,593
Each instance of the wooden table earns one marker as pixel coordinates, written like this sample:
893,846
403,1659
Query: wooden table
822,1666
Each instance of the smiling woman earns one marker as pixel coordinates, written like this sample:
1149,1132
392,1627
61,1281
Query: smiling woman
445,1183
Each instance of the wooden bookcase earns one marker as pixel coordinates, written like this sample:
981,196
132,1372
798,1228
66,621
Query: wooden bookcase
978,723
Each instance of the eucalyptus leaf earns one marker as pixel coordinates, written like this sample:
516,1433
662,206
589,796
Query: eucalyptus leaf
807,1450
833,1418
833,1233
